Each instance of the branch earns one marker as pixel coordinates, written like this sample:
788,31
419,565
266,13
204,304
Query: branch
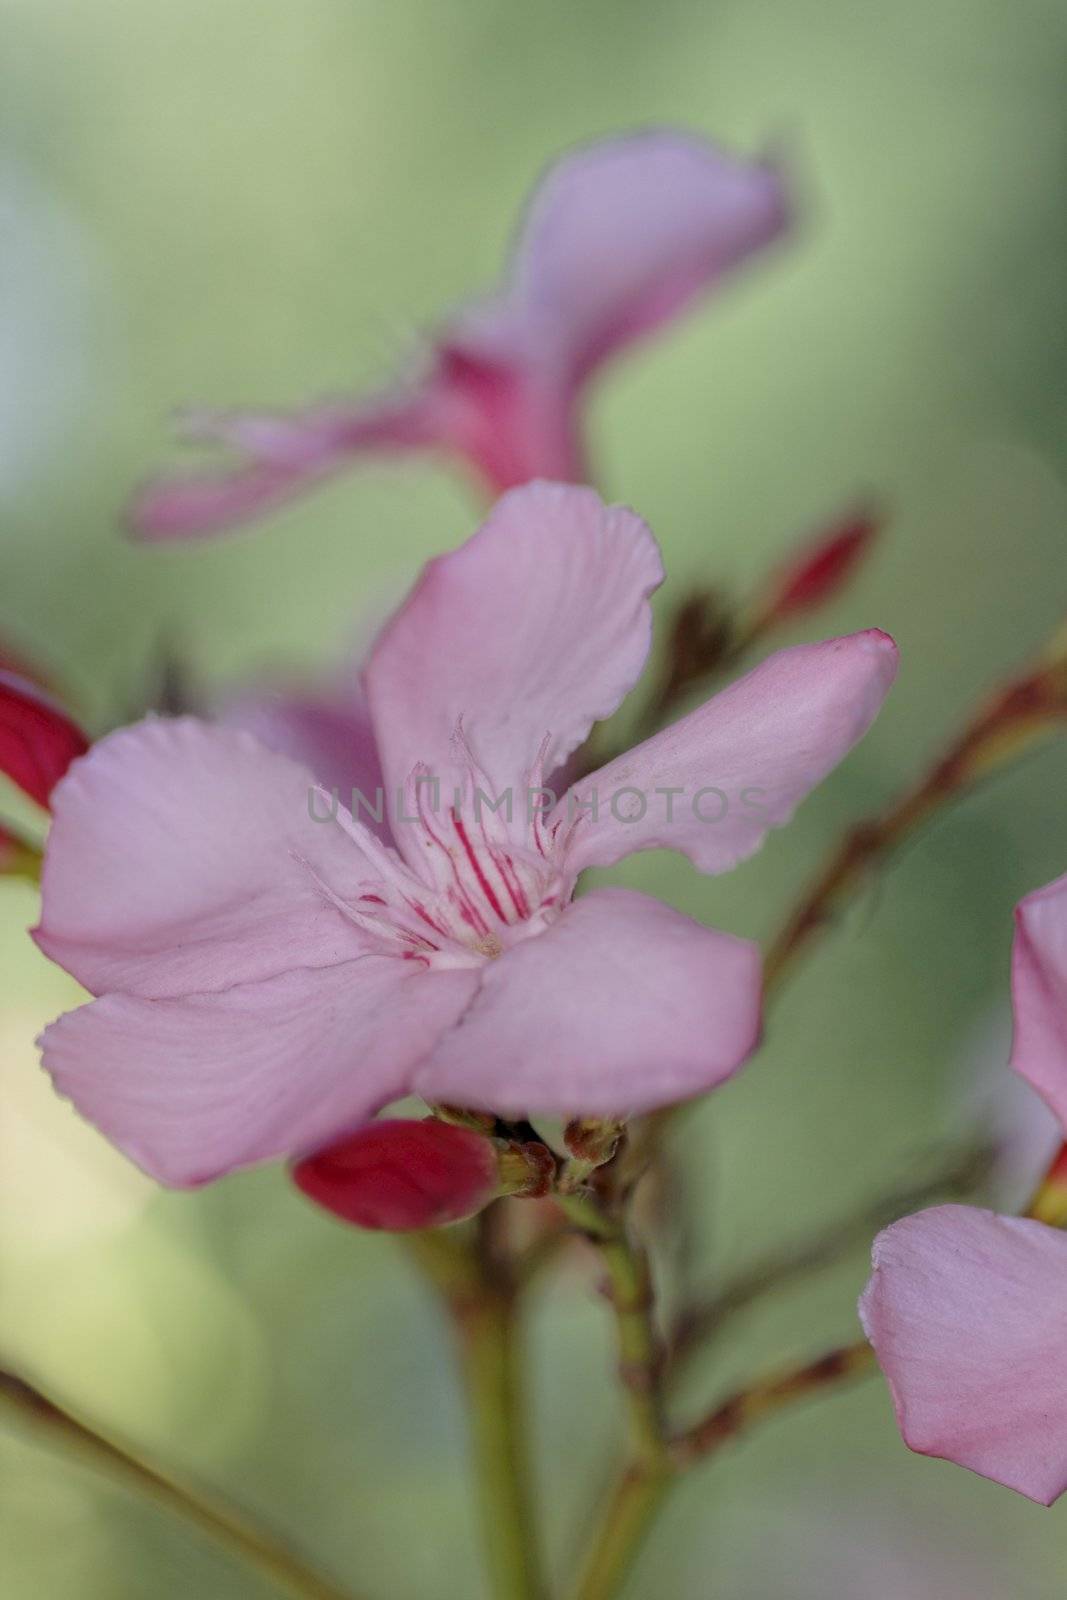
473,1275
225,1526
629,1289
640,1493
645,1478
698,1323
757,1400
1012,721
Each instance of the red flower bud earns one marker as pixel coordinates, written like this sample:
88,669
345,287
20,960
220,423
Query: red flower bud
38,741
823,566
402,1175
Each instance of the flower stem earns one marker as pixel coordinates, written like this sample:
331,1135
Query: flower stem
700,1321
630,1290
490,1359
642,1489
632,1508
479,1291
1001,729
757,1400
644,1480
226,1527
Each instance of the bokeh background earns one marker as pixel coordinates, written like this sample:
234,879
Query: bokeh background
256,201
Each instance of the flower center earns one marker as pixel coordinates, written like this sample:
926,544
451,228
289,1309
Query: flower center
475,889
487,889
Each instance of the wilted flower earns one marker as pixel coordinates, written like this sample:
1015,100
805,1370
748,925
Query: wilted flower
269,980
620,238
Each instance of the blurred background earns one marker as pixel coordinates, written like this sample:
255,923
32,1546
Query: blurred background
260,202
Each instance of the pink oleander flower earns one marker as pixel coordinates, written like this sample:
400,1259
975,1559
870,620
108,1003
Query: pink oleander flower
966,1309
267,981
619,239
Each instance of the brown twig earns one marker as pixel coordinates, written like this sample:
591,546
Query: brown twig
1012,720
699,1322
757,1400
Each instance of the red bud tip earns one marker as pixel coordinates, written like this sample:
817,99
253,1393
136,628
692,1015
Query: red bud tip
402,1175
38,741
824,566
1057,1173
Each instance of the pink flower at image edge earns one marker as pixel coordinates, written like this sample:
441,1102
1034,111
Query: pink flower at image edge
966,1309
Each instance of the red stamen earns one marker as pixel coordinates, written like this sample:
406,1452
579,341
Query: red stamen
483,882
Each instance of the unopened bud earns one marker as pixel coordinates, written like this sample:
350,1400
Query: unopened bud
38,741
403,1175
525,1168
823,567
592,1141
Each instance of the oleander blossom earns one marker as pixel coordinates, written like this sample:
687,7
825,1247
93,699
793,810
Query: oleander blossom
267,982
620,238
966,1309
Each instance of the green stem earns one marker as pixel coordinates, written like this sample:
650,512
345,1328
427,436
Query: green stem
700,1322
490,1359
646,1477
642,1489
627,1518
226,1527
480,1293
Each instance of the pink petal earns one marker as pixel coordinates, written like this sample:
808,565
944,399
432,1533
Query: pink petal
182,857
1039,993
283,457
38,741
329,733
966,1311
402,1175
191,1088
530,632
623,235
621,1005
740,764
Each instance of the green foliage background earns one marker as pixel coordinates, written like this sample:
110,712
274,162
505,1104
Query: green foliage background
261,200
